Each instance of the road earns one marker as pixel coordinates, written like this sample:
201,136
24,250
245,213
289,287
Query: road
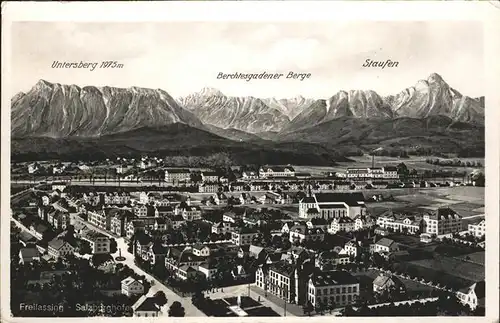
22,227
156,285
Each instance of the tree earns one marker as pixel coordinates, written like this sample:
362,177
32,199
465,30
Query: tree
113,247
308,308
349,311
320,307
176,310
479,179
160,298
197,298
84,247
402,170
331,305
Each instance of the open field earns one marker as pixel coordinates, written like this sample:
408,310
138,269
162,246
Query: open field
454,267
466,200
417,162
475,257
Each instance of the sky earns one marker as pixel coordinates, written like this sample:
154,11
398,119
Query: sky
183,57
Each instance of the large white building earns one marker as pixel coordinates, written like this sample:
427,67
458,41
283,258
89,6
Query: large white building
332,287
478,229
277,279
332,205
367,173
276,171
389,220
443,221
176,176
243,236
345,224
99,243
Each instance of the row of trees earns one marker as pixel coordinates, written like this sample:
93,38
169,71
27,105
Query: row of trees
446,305
453,162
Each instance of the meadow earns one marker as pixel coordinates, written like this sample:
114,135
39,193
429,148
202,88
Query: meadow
466,200
416,162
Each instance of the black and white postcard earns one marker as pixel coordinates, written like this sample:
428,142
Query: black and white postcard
248,160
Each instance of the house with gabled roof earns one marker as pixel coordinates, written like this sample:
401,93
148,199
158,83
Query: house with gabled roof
58,248
209,269
142,244
239,272
147,307
298,254
38,230
120,217
243,236
473,295
26,238
156,253
28,255
200,250
330,259
177,258
135,226
185,271
385,245
384,282
131,286
221,227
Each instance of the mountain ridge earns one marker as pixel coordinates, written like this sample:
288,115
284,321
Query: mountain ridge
55,110
118,109
248,113
432,96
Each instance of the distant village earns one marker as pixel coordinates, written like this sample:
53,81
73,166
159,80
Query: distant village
238,241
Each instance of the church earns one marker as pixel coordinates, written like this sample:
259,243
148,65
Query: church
332,205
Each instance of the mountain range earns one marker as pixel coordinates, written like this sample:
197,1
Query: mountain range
58,111
92,116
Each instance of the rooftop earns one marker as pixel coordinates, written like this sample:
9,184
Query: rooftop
148,305
332,278
178,171
385,242
350,199
382,280
30,252
57,243
283,268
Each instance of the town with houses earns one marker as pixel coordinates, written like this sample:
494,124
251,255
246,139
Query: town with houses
139,238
